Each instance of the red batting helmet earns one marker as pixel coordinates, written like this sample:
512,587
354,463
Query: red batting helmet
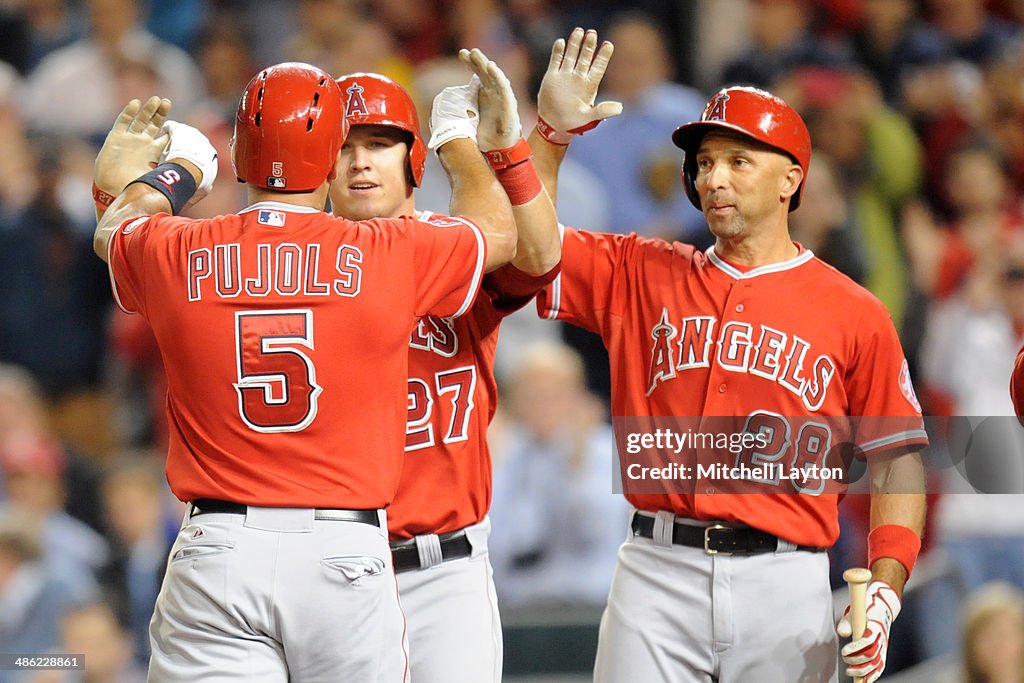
755,113
372,99
288,128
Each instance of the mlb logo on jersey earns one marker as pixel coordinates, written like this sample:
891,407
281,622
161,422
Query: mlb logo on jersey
274,218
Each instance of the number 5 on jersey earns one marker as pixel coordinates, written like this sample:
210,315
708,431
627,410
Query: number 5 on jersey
277,389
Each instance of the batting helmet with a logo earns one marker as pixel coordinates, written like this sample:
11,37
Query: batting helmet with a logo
751,112
373,99
288,129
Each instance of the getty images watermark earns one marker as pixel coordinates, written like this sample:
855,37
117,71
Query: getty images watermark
811,455
667,440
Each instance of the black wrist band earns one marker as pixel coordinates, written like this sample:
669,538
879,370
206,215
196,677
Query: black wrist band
172,181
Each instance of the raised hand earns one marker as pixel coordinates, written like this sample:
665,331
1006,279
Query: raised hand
499,126
565,103
133,146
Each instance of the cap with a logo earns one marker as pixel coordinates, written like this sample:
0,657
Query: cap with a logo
373,99
755,113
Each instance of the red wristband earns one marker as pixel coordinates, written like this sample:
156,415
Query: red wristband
896,542
509,156
103,199
521,182
552,134
580,130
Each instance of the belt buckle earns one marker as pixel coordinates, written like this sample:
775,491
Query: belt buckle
707,538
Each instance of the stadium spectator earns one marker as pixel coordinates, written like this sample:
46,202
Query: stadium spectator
133,503
31,599
556,526
993,641
985,222
892,41
974,34
75,90
92,631
782,40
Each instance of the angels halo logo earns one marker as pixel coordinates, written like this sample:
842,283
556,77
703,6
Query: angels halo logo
715,110
907,387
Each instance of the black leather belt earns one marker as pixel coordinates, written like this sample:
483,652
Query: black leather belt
717,539
204,506
406,557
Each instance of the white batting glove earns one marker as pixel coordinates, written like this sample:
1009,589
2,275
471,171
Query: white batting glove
565,103
133,146
499,112
190,144
455,114
865,657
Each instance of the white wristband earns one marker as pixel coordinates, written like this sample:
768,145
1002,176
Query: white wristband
452,129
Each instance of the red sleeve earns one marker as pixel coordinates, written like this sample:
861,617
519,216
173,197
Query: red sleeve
1017,385
126,261
448,265
510,288
880,391
585,293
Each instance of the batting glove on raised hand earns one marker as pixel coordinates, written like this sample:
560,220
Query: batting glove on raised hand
455,114
134,145
499,126
190,144
865,657
565,103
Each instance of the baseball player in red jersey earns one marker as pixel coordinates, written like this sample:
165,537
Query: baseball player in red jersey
284,335
727,587
438,521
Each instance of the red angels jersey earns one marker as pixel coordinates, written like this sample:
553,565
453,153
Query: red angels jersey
688,334
284,333
446,477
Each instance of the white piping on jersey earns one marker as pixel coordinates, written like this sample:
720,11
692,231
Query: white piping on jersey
110,265
424,216
279,206
110,272
878,444
556,284
478,271
734,272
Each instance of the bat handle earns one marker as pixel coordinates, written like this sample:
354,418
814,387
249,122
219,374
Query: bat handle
857,579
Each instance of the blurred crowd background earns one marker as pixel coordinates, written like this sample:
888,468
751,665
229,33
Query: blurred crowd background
916,190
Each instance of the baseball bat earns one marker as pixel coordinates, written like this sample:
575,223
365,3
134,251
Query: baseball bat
857,579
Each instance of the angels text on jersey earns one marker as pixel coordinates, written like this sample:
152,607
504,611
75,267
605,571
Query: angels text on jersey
698,341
